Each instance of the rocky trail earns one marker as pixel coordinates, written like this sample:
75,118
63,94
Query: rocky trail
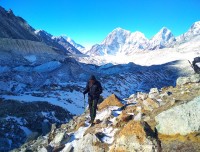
161,120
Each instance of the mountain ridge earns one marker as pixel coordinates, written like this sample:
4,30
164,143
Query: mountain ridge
123,41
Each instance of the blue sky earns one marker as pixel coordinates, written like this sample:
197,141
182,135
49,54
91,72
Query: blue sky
89,21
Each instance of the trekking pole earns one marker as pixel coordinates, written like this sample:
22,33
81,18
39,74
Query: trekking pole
84,102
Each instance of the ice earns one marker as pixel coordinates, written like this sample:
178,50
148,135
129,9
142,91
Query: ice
47,67
31,58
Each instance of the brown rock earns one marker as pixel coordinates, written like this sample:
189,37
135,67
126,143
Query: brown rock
133,128
110,101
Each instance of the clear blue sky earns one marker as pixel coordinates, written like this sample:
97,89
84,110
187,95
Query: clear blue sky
89,21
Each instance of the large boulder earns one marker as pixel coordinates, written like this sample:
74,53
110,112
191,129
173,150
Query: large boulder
88,143
195,78
135,136
182,119
112,100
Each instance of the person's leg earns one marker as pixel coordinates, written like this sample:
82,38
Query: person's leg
94,108
90,102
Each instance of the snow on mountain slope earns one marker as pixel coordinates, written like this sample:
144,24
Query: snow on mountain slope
123,42
162,39
120,41
184,51
79,47
67,45
193,31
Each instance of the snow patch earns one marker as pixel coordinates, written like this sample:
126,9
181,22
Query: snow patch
31,58
47,67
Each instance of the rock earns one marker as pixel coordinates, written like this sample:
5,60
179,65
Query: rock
133,138
138,117
32,136
61,138
154,93
110,101
182,119
142,96
195,78
150,104
88,143
182,80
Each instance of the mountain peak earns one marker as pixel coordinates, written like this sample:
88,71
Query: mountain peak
196,25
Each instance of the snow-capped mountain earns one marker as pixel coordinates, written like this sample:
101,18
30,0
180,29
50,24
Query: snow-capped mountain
67,45
15,27
79,47
162,39
120,41
58,43
193,31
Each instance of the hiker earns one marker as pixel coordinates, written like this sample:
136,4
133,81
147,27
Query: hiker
94,89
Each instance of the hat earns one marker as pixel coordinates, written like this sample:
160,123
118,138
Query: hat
92,77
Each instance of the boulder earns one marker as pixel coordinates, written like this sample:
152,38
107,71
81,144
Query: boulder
60,138
182,119
133,137
112,100
182,80
195,78
88,143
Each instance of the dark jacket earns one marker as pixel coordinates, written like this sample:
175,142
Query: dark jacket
93,90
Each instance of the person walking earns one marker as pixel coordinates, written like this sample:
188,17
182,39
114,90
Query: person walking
94,89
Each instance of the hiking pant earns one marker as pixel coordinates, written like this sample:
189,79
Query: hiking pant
93,107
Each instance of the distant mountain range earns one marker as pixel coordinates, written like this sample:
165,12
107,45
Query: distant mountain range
121,41
14,27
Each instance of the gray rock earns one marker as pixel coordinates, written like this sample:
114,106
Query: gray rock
195,78
60,138
182,80
182,119
87,143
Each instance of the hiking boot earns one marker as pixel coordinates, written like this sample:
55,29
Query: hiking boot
92,124
91,121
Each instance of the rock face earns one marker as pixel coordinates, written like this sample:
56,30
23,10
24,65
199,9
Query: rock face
192,79
21,122
183,119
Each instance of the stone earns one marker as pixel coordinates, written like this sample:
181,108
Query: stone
142,96
88,143
195,78
110,101
150,104
182,80
182,119
61,138
154,93
133,137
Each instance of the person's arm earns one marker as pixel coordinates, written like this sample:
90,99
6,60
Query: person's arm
99,88
86,89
